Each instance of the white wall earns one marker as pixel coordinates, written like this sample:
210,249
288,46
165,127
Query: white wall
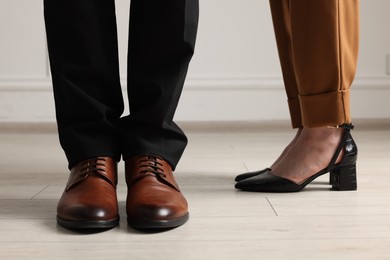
234,75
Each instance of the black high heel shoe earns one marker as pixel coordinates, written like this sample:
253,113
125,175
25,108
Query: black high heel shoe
342,174
247,175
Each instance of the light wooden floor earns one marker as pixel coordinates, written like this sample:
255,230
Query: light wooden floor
224,223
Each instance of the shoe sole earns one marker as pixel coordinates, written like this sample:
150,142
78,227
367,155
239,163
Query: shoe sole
157,224
101,224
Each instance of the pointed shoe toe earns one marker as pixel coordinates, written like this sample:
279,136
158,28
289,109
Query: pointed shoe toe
266,182
247,175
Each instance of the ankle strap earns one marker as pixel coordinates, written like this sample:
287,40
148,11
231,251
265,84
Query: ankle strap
348,128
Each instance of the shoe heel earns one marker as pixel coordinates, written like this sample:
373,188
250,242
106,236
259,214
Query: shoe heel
344,178
331,178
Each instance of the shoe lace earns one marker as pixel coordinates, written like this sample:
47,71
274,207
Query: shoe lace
94,165
150,164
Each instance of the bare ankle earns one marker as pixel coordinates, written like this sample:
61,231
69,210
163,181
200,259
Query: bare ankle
318,134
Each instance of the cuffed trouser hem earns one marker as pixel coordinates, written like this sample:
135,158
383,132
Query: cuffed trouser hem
328,109
295,113
78,152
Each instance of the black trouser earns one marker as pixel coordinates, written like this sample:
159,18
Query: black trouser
83,51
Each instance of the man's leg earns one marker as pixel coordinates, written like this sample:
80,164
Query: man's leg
161,44
82,43
162,38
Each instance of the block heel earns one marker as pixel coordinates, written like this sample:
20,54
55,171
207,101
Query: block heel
344,178
331,178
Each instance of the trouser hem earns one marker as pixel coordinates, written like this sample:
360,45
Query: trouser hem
327,109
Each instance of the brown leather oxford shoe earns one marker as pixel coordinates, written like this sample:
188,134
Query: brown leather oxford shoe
89,199
154,199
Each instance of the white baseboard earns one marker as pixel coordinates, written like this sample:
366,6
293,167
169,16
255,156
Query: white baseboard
203,99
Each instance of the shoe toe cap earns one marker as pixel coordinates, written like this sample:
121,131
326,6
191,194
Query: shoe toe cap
80,212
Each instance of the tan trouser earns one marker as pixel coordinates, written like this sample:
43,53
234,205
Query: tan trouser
318,48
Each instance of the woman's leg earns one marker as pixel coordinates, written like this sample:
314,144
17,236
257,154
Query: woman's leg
324,36
281,18
325,40
280,10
